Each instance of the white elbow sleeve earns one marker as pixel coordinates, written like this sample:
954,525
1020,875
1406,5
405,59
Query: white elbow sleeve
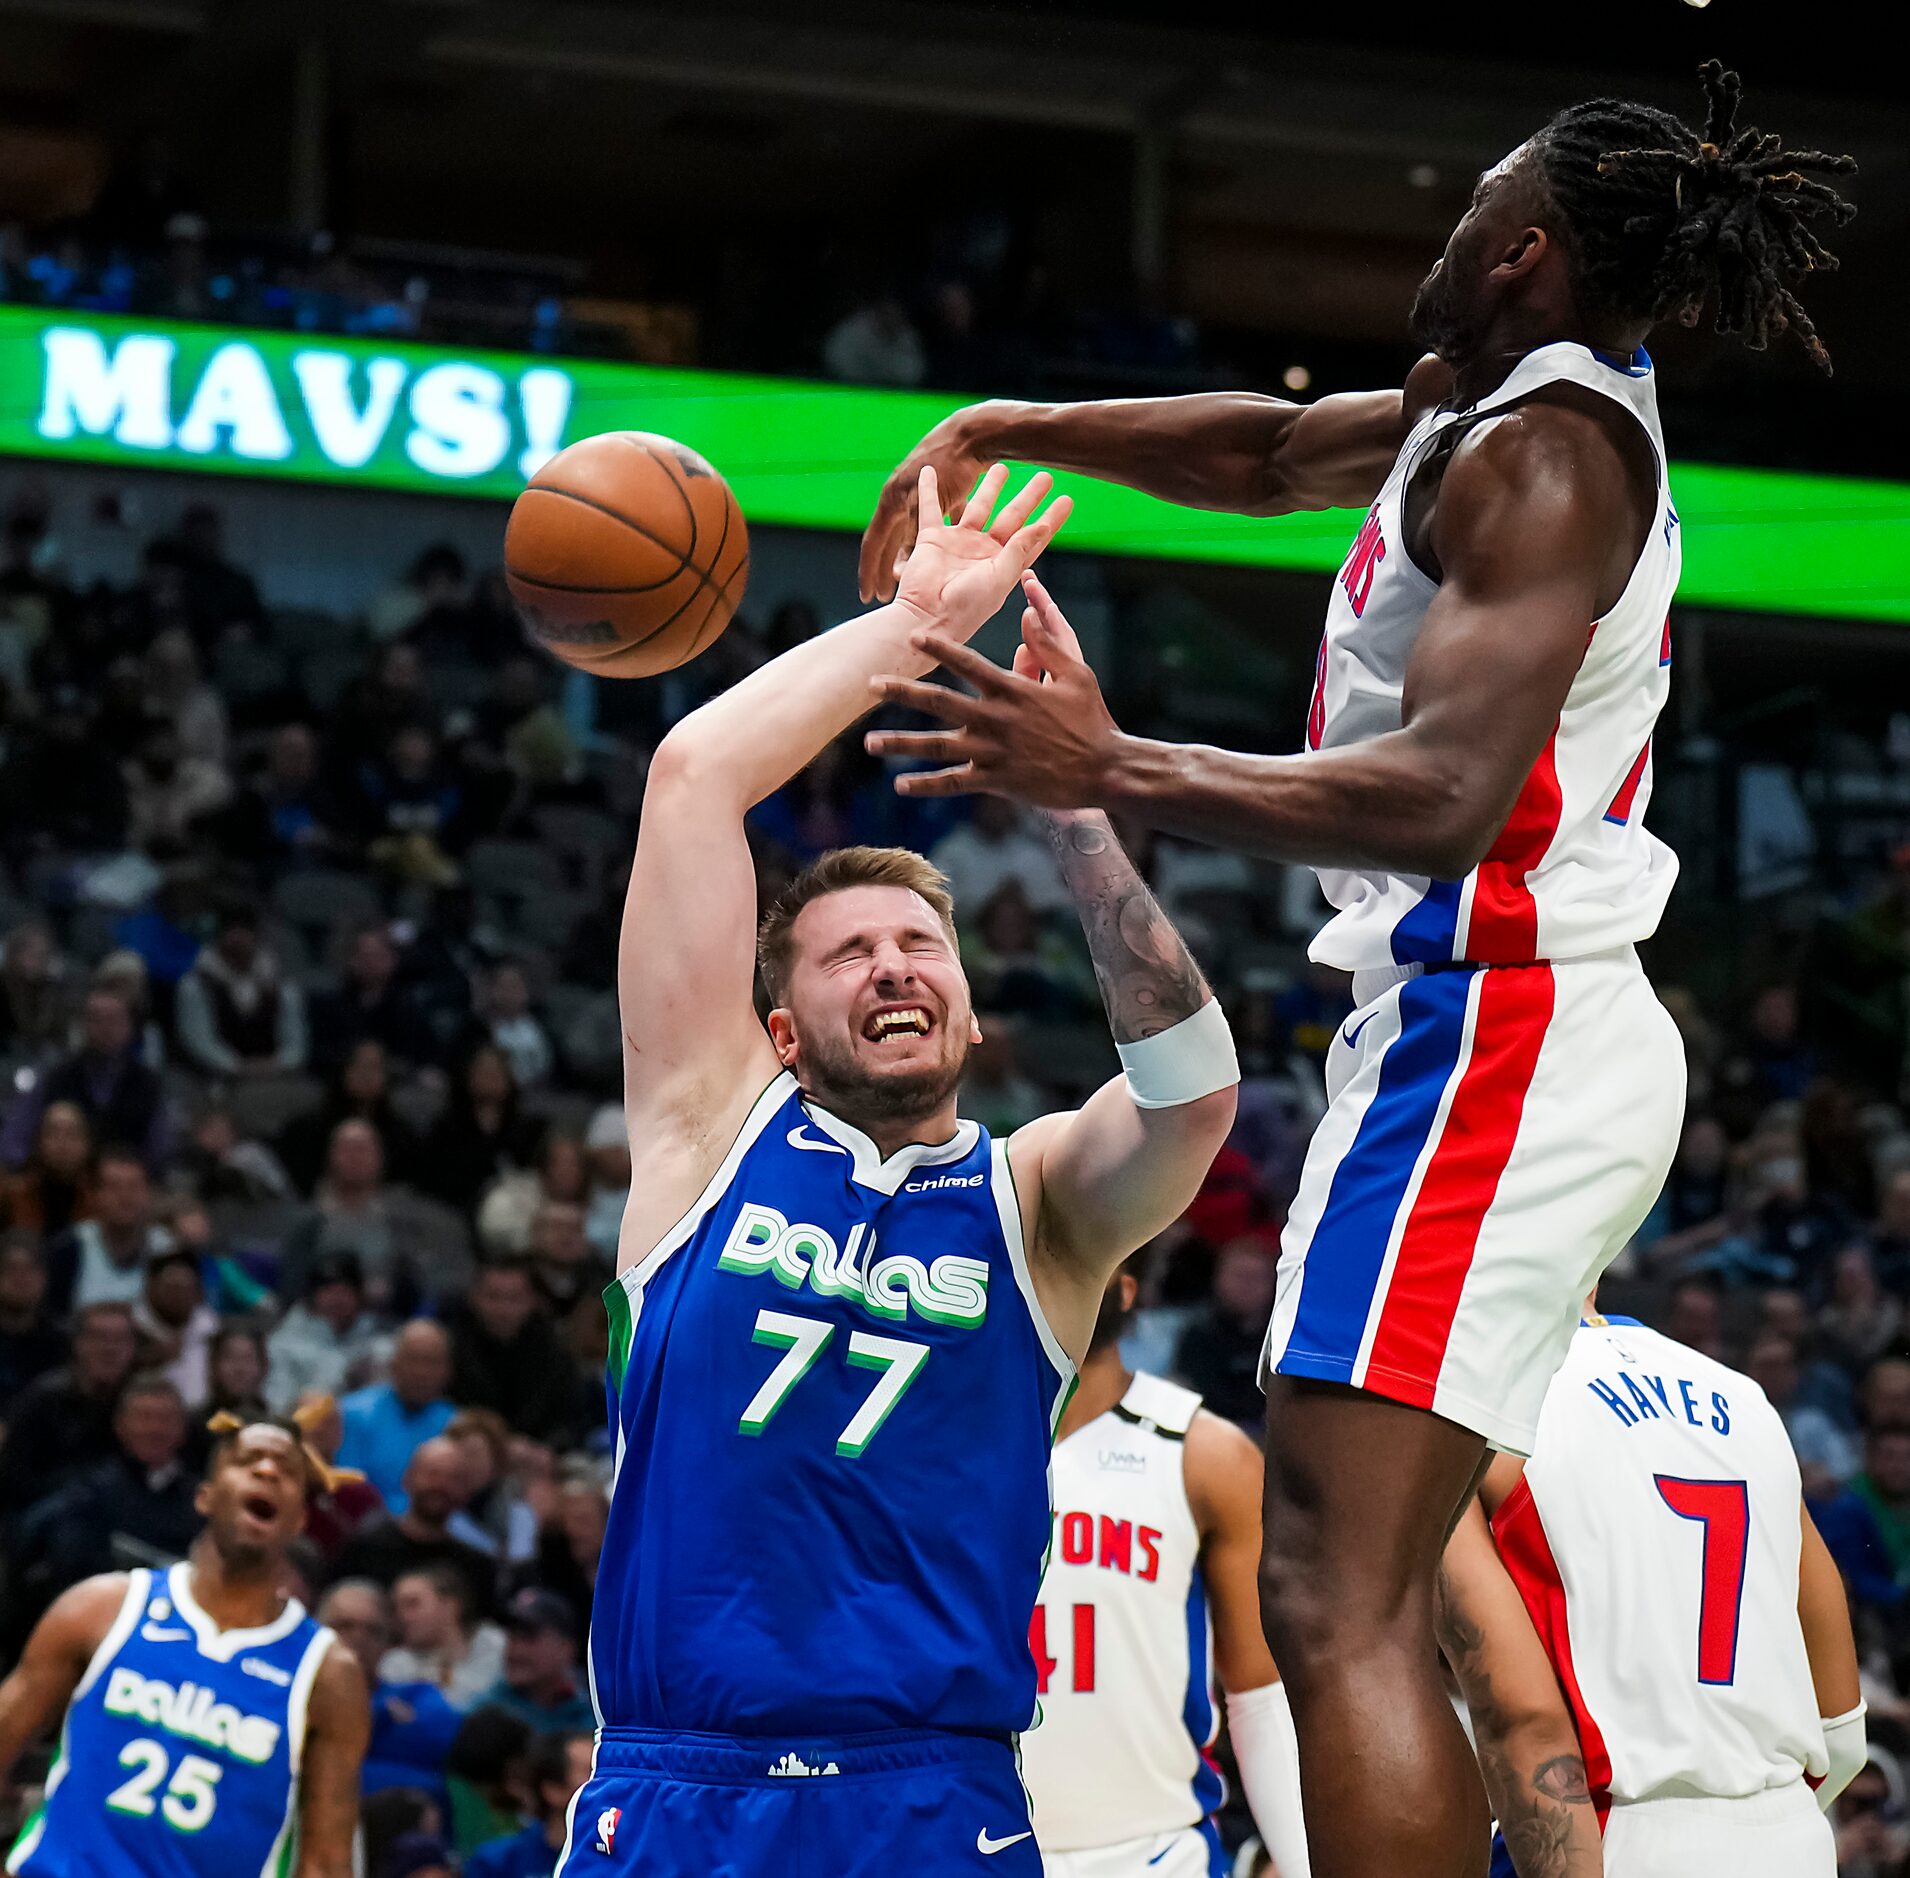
1847,1748
1193,1058
1267,1751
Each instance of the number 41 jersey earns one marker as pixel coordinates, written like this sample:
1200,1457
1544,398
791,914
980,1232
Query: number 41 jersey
1655,1540
833,1397
180,1754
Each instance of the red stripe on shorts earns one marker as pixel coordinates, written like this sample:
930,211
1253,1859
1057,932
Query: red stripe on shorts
1505,917
1527,1554
1461,1181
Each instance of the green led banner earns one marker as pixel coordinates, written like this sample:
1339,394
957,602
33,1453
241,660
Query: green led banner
428,419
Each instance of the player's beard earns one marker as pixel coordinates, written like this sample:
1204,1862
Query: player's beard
832,1075
1445,318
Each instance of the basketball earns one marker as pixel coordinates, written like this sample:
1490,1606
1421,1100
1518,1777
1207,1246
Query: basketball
626,554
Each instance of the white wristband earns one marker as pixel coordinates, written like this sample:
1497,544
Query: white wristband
1267,1752
1191,1060
1846,1750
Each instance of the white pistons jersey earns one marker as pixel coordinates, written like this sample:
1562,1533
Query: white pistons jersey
1574,871
1655,1541
1121,1638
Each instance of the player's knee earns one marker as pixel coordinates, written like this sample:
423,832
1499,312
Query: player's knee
1297,1608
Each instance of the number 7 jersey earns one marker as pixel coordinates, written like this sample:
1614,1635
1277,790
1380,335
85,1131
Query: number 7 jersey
1655,1540
833,1396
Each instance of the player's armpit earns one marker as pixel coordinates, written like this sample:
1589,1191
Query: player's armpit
54,1660
337,1729
1529,1752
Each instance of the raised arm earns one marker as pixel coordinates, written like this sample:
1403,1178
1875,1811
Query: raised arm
1223,1472
1823,1609
56,1656
1110,1175
695,1057
337,1729
1528,1749
1230,450
1529,513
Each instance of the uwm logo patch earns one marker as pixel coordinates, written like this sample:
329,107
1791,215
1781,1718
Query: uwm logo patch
1362,562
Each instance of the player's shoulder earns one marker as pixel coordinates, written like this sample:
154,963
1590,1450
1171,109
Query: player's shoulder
1427,386
1627,1339
84,1614
1222,1469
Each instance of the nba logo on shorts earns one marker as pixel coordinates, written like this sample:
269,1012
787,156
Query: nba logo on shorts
607,1827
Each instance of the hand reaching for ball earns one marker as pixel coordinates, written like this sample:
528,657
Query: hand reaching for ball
958,573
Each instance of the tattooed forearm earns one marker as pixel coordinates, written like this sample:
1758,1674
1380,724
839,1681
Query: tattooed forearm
1148,979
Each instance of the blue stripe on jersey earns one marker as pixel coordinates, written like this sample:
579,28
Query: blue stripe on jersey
1198,1711
1428,931
1348,1249
1502,1866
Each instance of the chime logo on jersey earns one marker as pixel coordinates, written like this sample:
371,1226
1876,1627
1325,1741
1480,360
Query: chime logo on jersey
193,1713
953,1290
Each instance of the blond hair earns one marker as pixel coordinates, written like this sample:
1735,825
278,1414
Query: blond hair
836,872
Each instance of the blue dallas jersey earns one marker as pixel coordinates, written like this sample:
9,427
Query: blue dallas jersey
179,1757
833,1398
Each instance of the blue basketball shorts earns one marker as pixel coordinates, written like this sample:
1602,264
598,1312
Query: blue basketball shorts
669,1805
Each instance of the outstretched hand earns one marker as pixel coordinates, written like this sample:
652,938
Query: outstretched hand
1040,732
958,573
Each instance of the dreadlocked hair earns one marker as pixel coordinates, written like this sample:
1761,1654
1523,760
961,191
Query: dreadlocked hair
320,1475
1659,218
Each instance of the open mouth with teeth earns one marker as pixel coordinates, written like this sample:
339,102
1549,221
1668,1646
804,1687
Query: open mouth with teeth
260,1506
903,1020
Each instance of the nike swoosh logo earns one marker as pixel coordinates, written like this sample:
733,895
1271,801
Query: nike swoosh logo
797,1139
987,1846
1161,1854
1351,1037
163,1636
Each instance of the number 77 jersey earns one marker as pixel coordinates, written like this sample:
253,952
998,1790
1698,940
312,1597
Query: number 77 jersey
1655,1540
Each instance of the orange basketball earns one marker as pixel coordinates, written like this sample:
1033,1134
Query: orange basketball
626,554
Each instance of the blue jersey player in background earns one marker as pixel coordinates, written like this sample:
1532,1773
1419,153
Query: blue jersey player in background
846,1321
212,1730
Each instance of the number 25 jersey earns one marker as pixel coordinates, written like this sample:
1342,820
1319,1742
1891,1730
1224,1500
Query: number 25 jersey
1655,1540
833,1398
180,1753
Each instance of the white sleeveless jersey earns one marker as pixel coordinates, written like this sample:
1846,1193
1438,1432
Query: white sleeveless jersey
1121,1638
1574,871
1655,1541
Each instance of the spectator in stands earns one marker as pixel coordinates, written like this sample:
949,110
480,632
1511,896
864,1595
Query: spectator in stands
1689,1214
1782,1065
540,1681
563,1267
505,1019
327,1340
1824,1452
30,1342
35,1000
482,1134
236,1364
995,1091
337,1511
386,1423
1890,1233
369,1004
505,1355
441,1639
167,791
217,596
570,1546
521,722
1219,1351
485,1774
175,1323
218,1163
119,1096
1867,1526
103,1259
281,819
438,581
412,1725
237,1015
354,1211
496,1518
134,1507
174,688
60,792
55,1188
1018,965
1695,1316
875,344
64,1420
607,1143
413,815
1885,1397
558,1765
508,1212
418,1535
995,845
360,1090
